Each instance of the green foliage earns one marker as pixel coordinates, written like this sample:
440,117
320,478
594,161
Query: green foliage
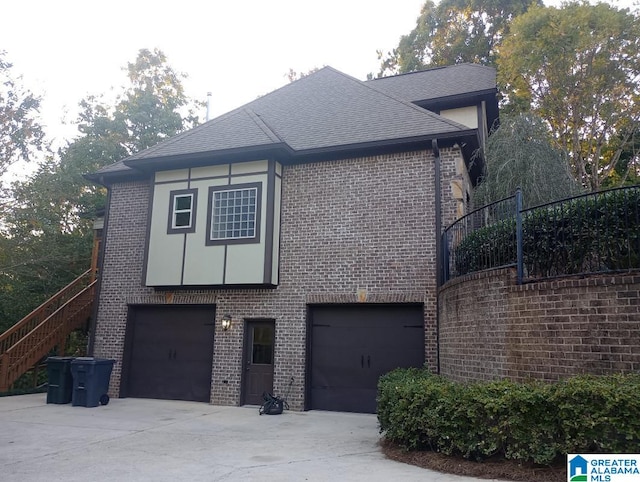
35,268
519,154
453,31
599,414
21,134
578,67
532,422
627,169
590,233
488,247
35,380
151,109
46,233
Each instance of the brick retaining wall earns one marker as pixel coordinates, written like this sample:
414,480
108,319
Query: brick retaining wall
492,328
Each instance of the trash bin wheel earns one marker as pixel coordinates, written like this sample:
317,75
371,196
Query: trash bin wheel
104,399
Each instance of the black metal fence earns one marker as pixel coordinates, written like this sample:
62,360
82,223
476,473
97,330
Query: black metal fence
475,241
592,233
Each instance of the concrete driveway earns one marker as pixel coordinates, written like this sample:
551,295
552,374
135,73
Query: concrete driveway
136,439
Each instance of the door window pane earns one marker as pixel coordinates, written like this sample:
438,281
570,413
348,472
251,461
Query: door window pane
262,350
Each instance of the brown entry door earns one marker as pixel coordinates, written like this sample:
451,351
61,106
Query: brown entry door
258,356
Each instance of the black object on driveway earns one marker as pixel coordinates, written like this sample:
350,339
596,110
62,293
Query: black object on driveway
90,381
60,381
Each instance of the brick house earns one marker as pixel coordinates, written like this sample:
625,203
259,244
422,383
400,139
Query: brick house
290,244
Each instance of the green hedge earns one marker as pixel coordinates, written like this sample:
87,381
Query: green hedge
536,422
586,234
488,247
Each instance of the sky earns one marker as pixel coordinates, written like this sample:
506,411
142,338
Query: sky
235,49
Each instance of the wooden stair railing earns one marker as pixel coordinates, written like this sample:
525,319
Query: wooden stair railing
37,316
48,326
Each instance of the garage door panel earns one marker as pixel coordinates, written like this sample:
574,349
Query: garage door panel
343,373
171,353
353,345
360,400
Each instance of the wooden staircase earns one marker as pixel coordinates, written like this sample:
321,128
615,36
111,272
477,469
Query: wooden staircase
47,327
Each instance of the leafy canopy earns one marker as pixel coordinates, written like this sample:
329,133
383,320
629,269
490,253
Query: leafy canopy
454,31
46,235
21,134
578,67
519,154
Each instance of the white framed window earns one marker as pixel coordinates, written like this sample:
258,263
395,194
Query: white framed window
182,212
234,214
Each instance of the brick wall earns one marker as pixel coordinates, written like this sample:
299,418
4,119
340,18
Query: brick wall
365,224
492,328
124,246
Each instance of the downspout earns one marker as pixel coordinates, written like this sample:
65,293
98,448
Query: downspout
96,302
438,206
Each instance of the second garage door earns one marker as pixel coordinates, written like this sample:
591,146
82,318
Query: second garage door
170,352
353,345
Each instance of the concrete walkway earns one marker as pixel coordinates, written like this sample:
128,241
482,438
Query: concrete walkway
157,440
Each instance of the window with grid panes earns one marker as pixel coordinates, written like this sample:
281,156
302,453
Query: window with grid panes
234,214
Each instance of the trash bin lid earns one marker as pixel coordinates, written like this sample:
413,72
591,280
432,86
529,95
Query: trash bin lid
89,360
60,358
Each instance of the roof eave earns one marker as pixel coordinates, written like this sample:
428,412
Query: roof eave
196,159
387,145
140,168
456,99
106,179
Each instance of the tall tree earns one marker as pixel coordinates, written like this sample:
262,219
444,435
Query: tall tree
454,31
520,154
578,67
21,135
154,107
48,232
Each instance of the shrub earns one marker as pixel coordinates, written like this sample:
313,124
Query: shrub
590,233
488,247
536,422
599,414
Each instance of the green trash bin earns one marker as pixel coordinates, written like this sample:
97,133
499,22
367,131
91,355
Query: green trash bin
90,381
60,381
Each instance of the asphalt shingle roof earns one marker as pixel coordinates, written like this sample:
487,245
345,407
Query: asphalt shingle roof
439,82
327,109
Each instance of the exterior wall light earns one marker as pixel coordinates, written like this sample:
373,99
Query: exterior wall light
226,322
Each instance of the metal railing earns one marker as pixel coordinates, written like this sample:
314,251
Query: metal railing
464,254
592,233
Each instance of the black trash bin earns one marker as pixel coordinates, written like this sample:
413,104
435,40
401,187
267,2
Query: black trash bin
60,381
90,381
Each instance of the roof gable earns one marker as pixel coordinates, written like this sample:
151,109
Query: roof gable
325,111
239,128
329,109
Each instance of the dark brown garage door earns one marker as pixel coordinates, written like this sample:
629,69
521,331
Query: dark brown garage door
169,353
351,346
